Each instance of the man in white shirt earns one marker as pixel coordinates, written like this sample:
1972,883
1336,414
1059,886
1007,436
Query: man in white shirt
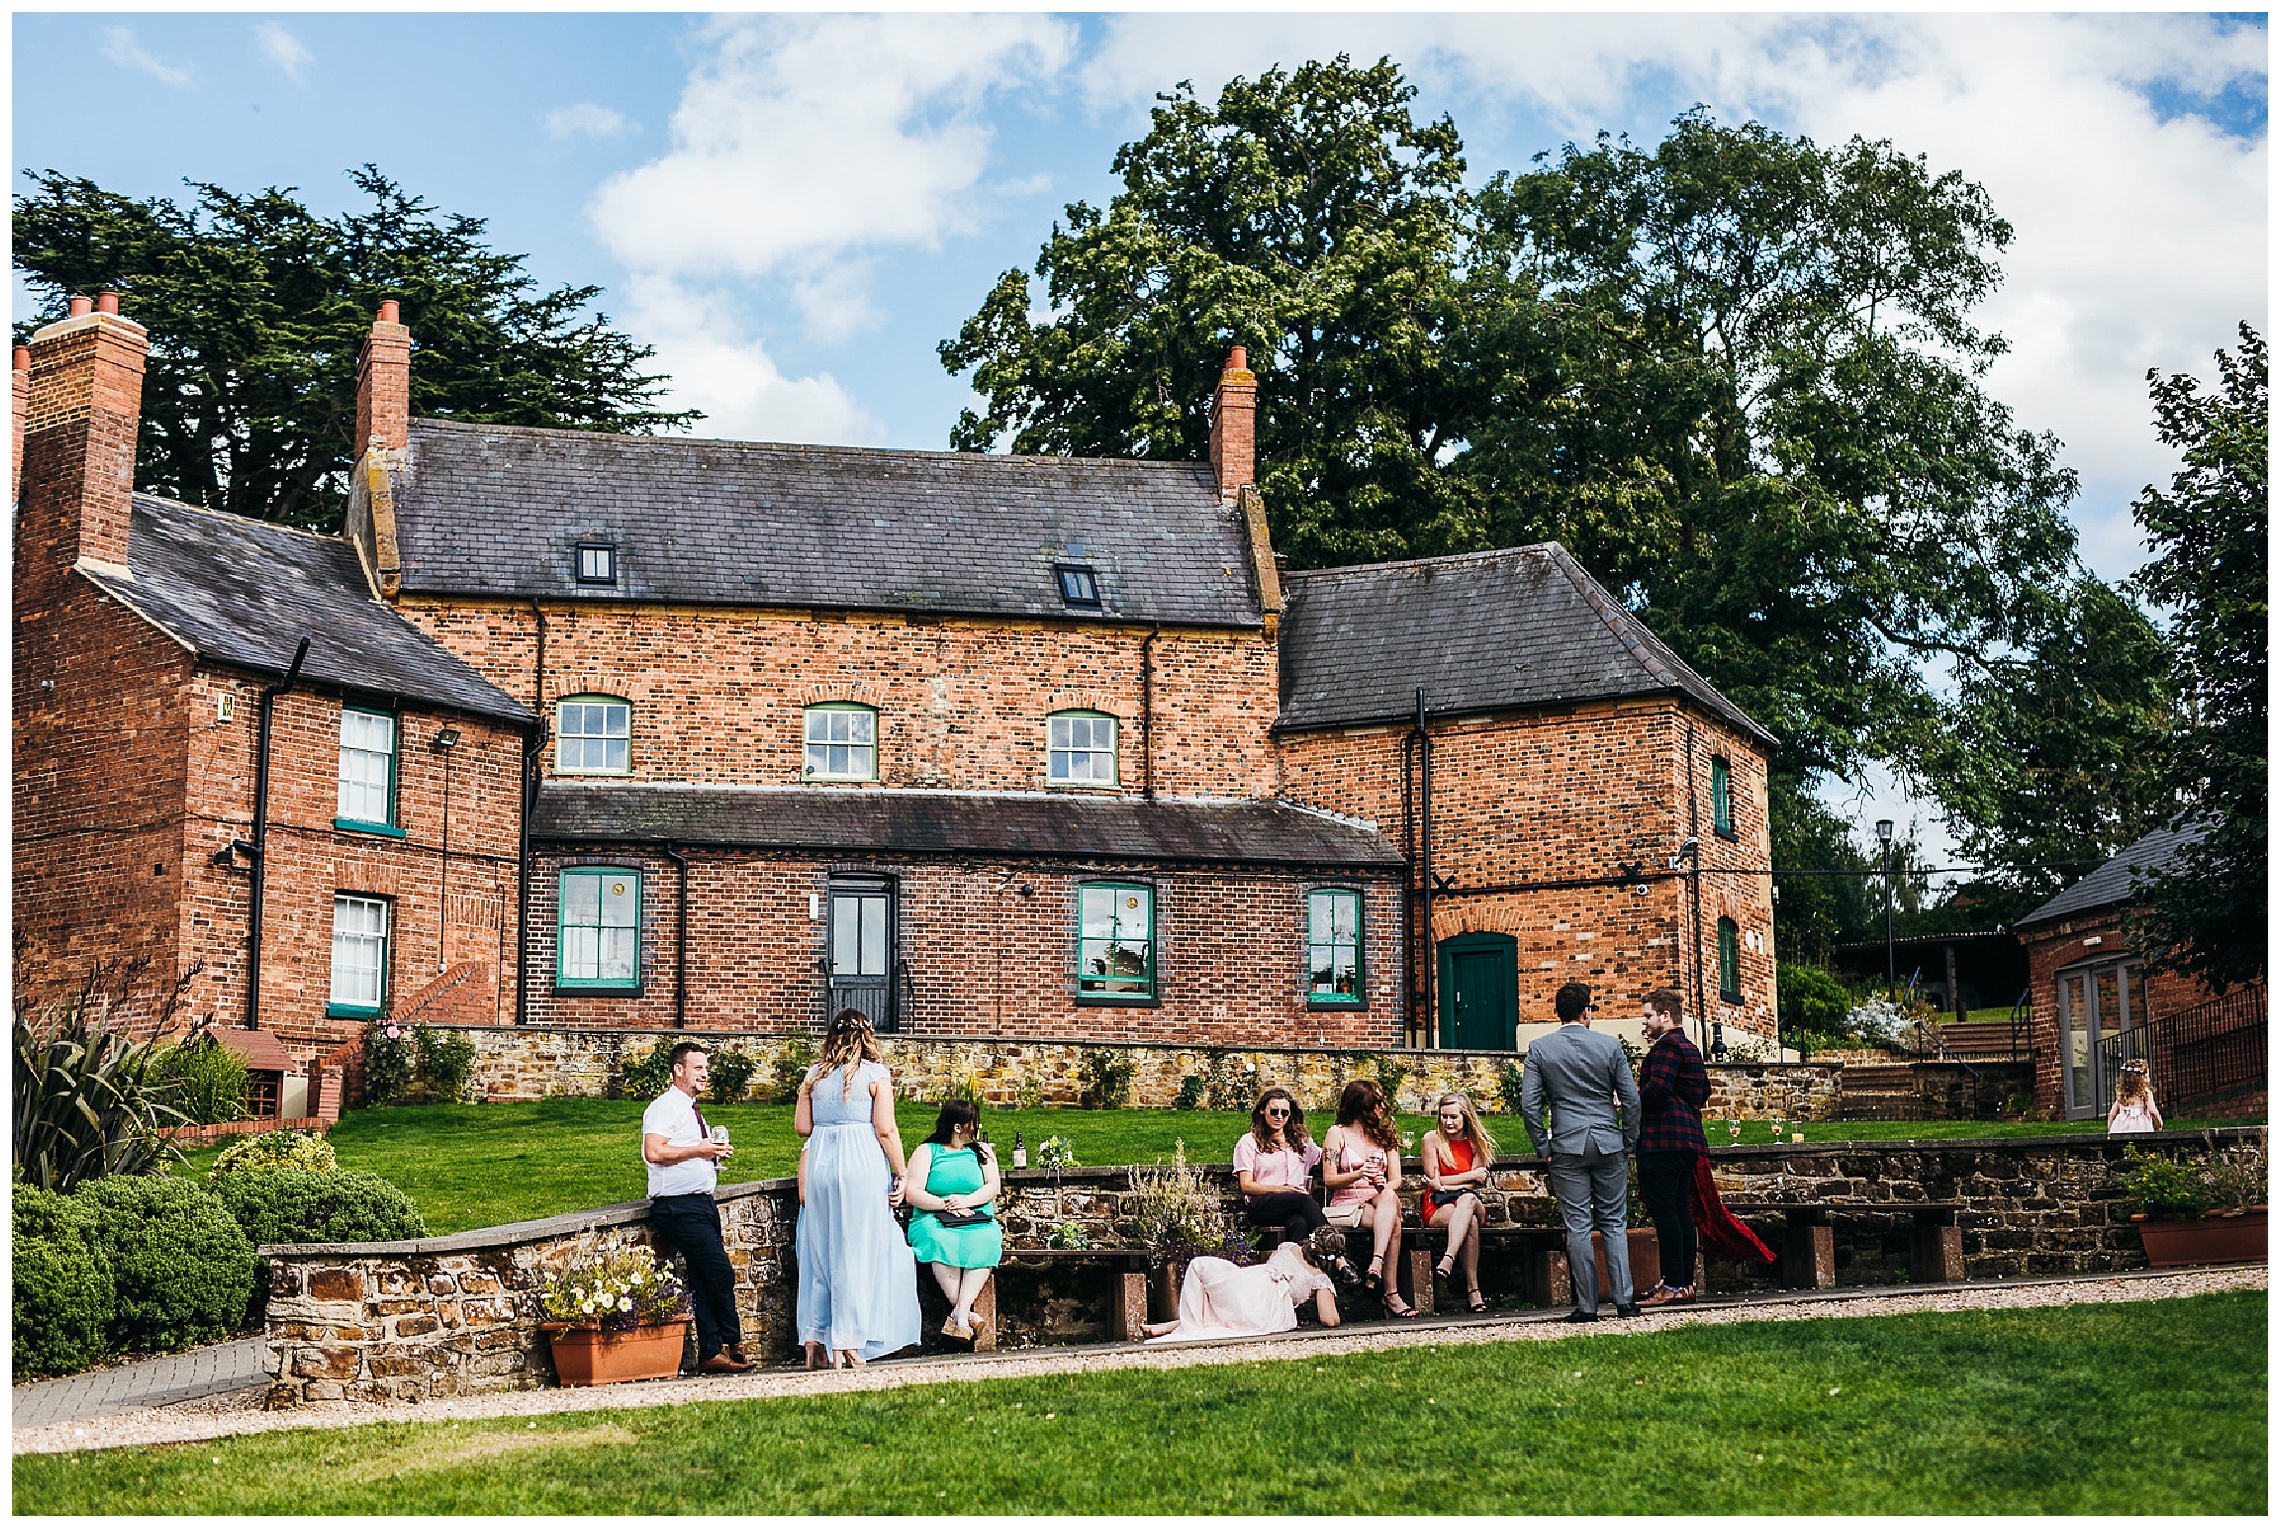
684,1166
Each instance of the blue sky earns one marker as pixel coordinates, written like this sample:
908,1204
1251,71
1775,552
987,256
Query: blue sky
795,209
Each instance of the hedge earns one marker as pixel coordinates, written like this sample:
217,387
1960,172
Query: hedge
277,1206
63,1294
277,1148
182,1268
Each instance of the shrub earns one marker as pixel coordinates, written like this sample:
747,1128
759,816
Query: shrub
731,1075
1226,1085
277,1148
2163,1189
792,1062
278,1206
1029,1092
390,1060
1191,1092
1070,1234
63,1295
2238,1179
1108,1078
182,1268
1510,1082
1391,1074
1813,1003
649,1075
446,1065
87,1102
204,1079
415,1064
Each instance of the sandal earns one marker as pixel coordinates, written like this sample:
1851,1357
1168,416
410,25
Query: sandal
1445,1267
1374,1281
1395,1305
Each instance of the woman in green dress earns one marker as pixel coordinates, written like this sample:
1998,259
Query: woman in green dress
954,1172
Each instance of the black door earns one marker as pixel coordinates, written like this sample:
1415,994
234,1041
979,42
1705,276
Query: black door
860,950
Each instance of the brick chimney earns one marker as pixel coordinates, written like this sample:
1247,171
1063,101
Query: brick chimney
80,404
1235,427
384,385
20,395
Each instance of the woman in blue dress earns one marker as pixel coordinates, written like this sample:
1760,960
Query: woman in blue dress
858,1281
954,1172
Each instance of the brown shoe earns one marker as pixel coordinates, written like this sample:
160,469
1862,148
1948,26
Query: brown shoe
1665,1295
723,1363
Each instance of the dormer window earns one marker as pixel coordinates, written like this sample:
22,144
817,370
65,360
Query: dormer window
1080,585
597,562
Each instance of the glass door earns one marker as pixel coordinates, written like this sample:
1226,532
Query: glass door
2101,1019
2078,1055
861,937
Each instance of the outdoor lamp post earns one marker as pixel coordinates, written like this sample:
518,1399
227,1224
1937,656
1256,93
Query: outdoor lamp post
1884,839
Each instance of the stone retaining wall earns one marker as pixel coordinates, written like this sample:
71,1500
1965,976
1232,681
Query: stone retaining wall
543,1062
459,1314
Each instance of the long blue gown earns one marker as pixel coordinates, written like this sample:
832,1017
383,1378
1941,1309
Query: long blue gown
858,1280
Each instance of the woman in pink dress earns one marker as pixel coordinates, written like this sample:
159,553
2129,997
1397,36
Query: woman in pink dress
1361,1162
1218,1299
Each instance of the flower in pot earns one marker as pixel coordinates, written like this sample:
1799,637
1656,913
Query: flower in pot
615,1316
2199,1212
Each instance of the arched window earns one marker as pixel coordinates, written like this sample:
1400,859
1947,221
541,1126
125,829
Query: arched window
842,742
1729,961
593,735
1080,748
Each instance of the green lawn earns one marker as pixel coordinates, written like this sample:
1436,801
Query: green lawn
470,1165
2154,1407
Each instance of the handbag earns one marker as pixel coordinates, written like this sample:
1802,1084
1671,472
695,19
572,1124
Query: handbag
960,1218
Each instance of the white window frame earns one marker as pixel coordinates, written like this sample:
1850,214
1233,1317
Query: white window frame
358,760
360,953
563,736
816,755
1065,752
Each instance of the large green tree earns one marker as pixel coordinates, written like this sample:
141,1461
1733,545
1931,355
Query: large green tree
2211,569
258,309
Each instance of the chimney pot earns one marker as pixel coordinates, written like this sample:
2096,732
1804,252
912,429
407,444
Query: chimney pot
107,303
1237,360
81,307
388,312
23,358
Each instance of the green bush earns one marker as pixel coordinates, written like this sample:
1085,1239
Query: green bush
731,1075
182,1269
1814,1007
1191,1092
203,1078
415,1064
63,1295
1108,1078
2163,1189
390,1060
277,1148
1511,1085
446,1065
649,1075
86,1101
282,1205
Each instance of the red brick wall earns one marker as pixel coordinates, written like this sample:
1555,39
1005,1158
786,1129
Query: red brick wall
2067,943
983,958
1575,795
717,696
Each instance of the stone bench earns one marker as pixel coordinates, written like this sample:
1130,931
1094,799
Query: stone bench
1808,1242
1545,1277
1125,1268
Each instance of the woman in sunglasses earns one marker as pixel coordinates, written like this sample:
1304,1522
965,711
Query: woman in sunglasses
1274,1164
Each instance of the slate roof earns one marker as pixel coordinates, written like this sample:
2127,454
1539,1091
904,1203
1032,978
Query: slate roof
2109,884
954,822
500,509
244,593
1486,631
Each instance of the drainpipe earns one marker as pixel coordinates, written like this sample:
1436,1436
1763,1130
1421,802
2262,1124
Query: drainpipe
259,848
680,941
1148,712
1694,887
1425,857
534,748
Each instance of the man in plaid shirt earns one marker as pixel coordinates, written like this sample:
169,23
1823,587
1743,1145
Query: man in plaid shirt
1672,1090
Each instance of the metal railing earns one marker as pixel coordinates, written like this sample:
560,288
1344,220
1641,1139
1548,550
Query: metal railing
2211,1054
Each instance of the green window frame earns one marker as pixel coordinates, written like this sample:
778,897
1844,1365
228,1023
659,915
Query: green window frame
1080,749
597,928
1721,797
363,930
1334,946
593,735
1116,942
1729,961
370,742
841,741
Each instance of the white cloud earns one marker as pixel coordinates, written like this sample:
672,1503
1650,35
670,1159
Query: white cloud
121,48
586,120
719,364
801,147
284,50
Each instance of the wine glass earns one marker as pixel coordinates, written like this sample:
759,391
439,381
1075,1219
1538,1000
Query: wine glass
720,1135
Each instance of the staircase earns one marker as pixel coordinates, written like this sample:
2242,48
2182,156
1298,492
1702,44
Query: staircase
1874,1092
1982,1042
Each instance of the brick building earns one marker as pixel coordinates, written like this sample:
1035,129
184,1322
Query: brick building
1036,747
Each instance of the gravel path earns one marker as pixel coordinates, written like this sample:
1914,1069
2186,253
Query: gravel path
240,1412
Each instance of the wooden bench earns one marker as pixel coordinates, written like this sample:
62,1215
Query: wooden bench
1544,1267
1809,1242
1125,1267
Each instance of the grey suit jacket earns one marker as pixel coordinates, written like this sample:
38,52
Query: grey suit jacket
1580,1073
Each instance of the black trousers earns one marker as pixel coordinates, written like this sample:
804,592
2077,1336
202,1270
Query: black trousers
690,1225
1666,1188
1297,1213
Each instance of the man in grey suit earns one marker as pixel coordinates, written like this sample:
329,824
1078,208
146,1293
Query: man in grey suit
1581,1074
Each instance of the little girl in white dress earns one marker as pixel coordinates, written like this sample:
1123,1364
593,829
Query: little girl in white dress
2134,1111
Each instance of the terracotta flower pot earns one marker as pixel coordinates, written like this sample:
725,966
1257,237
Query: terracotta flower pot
587,1355
2226,1236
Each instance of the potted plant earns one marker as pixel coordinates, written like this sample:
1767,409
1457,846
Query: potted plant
2188,1212
615,1316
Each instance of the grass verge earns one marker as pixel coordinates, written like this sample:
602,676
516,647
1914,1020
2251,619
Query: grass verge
2156,1406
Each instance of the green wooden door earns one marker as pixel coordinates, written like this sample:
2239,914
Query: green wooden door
1480,990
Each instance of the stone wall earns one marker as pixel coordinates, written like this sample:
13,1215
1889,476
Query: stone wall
547,1062
459,1314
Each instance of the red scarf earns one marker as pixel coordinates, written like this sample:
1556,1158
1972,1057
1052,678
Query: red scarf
1721,1234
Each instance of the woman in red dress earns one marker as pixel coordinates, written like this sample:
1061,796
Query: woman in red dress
1455,1159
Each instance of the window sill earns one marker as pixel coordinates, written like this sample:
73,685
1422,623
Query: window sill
586,774
1337,1005
597,989
1734,998
1084,785
379,829
1728,834
349,1011
1118,1000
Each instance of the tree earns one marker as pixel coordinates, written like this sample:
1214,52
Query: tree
1305,215
258,310
2206,914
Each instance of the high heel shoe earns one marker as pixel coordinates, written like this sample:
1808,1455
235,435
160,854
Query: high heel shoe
1395,1305
1474,1302
1374,1281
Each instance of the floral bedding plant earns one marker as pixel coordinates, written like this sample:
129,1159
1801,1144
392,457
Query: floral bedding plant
616,1291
